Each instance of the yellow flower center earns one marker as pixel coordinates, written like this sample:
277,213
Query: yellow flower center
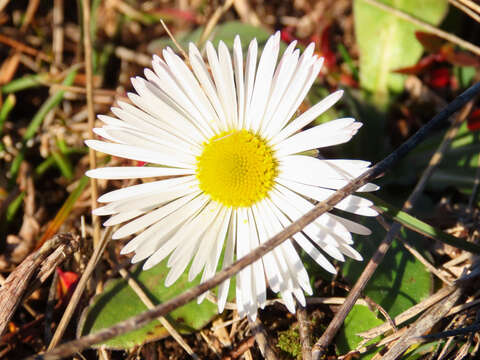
236,168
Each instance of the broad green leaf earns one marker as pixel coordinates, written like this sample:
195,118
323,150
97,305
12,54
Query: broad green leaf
399,282
360,319
457,168
118,302
387,42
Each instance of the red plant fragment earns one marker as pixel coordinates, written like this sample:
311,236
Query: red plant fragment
473,121
66,282
423,65
325,46
430,42
286,34
439,78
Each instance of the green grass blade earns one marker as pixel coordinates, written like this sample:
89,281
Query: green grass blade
37,120
421,227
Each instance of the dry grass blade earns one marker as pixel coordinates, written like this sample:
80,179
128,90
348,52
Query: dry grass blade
87,43
213,21
465,9
426,322
322,207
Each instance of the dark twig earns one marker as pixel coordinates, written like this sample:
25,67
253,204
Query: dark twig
320,347
144,318
304,330
261,337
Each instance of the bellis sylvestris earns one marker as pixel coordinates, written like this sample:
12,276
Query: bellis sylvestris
224,136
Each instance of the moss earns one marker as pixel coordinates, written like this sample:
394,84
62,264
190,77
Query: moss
289,342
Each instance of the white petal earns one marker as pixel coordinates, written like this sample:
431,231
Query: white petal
122,217
316,137
203,76
227,261
250,68
144,189
239,80
134,172
136,153
152,217
263,81
307,117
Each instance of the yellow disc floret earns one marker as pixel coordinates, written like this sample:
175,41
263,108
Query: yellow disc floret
236,168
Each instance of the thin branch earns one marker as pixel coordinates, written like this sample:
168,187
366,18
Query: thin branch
304,330
440,33
144,318
458,4
471,4
321,346
87,44
213,21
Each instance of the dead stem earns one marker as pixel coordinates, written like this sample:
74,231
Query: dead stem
87,44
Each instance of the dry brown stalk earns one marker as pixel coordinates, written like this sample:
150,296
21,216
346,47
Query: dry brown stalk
87,43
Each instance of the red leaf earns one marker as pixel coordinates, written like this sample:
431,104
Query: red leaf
439,78
67,281
473,121
286,34
326,46
430,42
423,65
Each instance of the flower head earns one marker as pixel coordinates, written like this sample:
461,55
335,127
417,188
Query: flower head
227,156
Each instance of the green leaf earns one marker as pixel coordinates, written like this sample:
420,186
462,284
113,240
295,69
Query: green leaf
399,282
387,42
360,319
118,302
421,227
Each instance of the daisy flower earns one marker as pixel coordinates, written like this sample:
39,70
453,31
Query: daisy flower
230,172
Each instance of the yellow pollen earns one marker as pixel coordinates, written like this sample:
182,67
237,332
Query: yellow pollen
236,168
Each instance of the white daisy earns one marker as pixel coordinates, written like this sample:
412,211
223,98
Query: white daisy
226,140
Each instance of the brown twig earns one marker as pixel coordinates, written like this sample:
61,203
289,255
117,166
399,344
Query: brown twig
261,337
177,45
140,320
320,347
304,330
458,4
87,43
213,21
434,30
18,46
